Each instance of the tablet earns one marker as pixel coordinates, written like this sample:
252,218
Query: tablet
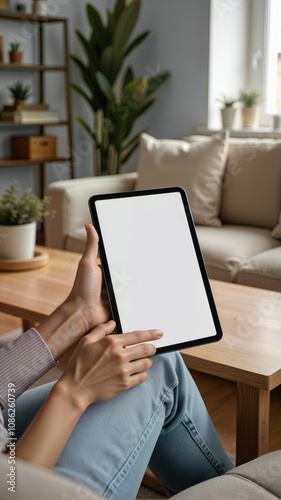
153,267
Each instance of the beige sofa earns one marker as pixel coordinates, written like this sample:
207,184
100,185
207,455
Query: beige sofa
257,480
234,189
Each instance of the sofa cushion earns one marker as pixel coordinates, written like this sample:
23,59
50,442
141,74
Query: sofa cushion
262,270
198,168
251,191
276,233
226,248
259,479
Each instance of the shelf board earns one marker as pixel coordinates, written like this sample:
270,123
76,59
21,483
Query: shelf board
36,124
9,162
32,18
30,67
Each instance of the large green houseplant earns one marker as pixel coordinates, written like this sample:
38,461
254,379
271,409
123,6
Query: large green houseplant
114,93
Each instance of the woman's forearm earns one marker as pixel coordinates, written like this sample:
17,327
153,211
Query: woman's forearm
62,329
46,436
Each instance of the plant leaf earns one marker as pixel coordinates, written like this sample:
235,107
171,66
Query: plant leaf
97,25
156,81
130,152
124,26
105,86
88,48
143,108
111,62
119,7
134,139
128,77
85,125
136,42
82,93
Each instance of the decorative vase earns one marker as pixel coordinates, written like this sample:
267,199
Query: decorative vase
251,116
15,57
18,242
227,116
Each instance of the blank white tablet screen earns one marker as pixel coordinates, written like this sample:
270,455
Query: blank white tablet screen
154,269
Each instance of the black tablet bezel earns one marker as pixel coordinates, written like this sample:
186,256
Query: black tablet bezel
106,271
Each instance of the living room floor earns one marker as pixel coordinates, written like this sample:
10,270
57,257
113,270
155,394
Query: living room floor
220,398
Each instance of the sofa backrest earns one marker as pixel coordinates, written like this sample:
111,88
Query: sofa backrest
251,192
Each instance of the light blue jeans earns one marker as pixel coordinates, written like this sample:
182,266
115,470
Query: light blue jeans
162,422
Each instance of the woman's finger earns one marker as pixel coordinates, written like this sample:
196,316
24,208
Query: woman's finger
137,337
140,365
100,331
92,243
140,351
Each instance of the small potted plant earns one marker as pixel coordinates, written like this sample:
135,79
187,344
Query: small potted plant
250,99
18,217
20,93
15,54
228,110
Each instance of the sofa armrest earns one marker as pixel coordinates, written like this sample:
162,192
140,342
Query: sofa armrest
70,200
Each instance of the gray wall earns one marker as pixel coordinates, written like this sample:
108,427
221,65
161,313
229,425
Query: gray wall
178,42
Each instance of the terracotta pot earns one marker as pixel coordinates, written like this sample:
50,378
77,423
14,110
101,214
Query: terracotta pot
17,242
227,117
15,56
251,116
19,103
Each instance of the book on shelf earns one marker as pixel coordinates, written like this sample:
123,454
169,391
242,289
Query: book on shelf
30,116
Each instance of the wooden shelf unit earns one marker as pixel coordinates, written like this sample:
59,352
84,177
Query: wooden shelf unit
41,67
10,162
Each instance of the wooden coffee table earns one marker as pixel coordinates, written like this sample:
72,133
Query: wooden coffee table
33,295
249,353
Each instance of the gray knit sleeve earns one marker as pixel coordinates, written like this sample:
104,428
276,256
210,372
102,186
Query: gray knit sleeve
22,362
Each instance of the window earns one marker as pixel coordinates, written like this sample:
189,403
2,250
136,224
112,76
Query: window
273,56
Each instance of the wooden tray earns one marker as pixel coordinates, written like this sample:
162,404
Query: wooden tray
40,259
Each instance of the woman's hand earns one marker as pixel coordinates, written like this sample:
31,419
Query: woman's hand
100,368
87,294
86,306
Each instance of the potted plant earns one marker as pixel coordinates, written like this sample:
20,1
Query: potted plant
250,99
18,217
20,93
228,110
115,108
15,54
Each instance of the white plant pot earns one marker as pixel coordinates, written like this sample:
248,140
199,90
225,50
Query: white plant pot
17,242
251,116
227,117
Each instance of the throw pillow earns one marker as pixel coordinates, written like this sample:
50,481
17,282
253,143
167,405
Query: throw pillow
276,233
196,167
251,192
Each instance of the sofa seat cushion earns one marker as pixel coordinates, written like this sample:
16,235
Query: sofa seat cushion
226,248
198,168
259,479
75,240
262,270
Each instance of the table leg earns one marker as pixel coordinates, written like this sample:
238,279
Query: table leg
252,423
26,324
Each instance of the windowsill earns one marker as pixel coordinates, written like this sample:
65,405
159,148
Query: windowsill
260,133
